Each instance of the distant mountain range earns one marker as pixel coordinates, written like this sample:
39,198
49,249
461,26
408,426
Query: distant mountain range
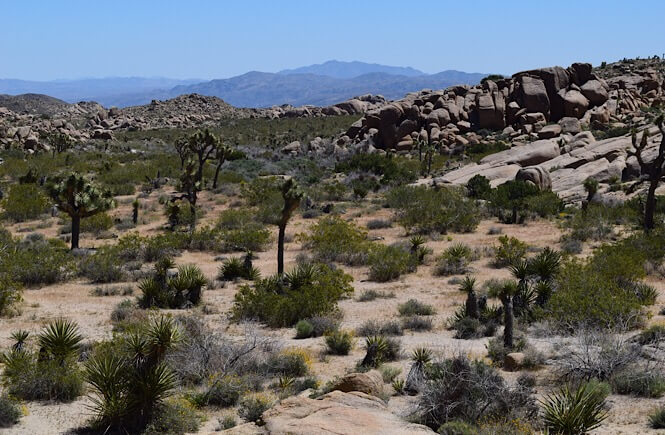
321,85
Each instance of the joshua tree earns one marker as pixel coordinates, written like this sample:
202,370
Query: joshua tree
292,196
190,187
469,287
505,292
135,211
60,142
203,145
651,171
224,153
79,198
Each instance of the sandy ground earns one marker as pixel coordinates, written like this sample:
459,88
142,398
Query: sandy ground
74,300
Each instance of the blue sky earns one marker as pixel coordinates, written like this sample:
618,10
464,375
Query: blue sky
48,39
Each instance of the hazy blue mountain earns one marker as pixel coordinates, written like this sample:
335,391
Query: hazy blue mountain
347,70
257,89
323,84
110,91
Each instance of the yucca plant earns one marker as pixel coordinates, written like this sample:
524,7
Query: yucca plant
572,411
398,385
236,267
375,347
416,377
546,264
20,337
60,340
187,286
127,386
292,195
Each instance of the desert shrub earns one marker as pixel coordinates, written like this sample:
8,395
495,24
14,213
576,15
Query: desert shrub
377,224
597,222
339,342
639,383
103,266
387,263
596,354
309,290
509,251
120,374
252,406
392,170
423,210
112,291
289,362
10,412
389,373
304,329
470,391
574,410
417,323
96,224
174,416
370,295
478,187
586,296
496,351
35,260
227,422
50,372
333,239
164,245
11,296
657,418
652,335
234,218
251,237
324,324
413,307
514,201
223,391
24,202
235,267
454,260
178,291
467,328
373,327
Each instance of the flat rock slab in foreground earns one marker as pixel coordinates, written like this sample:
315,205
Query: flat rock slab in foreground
335,413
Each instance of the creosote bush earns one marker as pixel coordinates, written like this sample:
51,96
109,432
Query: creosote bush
423,210
10,412
24,202
339,342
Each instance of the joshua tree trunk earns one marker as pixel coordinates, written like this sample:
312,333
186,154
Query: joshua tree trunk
472,305
76,230
214,182
508,321
650,204
280,248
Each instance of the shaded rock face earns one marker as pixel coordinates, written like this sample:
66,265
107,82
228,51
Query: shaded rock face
536,175
370,383
337,413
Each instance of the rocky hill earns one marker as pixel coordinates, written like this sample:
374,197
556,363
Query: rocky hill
35,104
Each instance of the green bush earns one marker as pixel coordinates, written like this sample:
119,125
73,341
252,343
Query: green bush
252,406
514,201
509,251
639,383
585,296
339,342
424,210
412,307
387,263
597,222
10,412
309,290
335,240
289,362
94,224
370,328
454,260
417,323
34,260
11,296
304,329
224,391
174,417
574,411
103,266
391,170
479,187
24,202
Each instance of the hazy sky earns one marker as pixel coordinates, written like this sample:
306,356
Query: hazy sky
49,39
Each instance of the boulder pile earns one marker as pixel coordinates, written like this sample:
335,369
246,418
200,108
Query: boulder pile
537,104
